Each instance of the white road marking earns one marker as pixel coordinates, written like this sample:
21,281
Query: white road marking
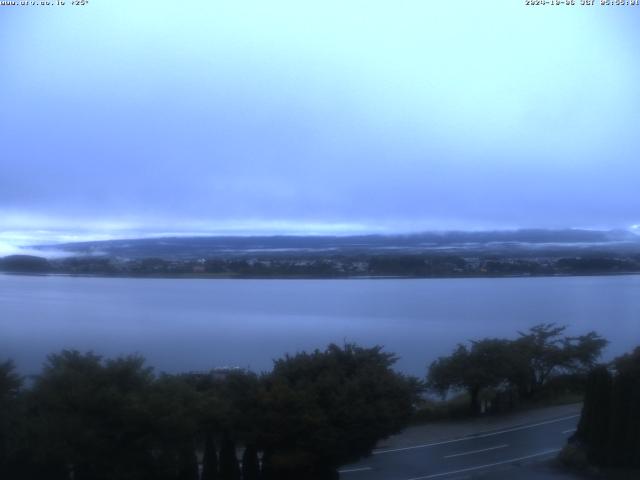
571,430
352,470
476,451
473,437
479,467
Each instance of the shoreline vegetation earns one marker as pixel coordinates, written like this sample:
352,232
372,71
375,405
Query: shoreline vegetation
333,267
304,277
90,418
509,253
607,441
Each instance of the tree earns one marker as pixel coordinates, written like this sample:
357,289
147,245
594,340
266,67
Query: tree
624,433
230,409
229,468
582,352
209,459
173,406
543,351
250,463
88,417
10,381
10,384
595,420
188,462
526,363
540,352
486,364
609,427
24,264
326,408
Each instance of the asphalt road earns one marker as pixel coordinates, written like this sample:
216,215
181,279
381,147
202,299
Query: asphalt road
481,454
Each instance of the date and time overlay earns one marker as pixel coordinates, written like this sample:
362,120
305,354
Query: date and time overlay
583,3
44,3
531,3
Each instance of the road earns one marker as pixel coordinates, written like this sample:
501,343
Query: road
483,453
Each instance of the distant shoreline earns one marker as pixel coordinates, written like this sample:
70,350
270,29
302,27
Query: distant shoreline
206,276
397,265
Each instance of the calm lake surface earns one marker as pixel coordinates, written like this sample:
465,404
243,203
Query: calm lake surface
197,324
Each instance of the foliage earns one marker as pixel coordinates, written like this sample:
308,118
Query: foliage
609,427
209,459
485,364
10,384
92,418
10,381
88,416
229,468
250,463
543,352
593,427
330,407
525,364
24,264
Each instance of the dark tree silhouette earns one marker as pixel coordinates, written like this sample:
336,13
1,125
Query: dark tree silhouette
609,427
188,466
525,364
326,408
485,364
10,383
209,459
94,419
543,351
250,463
595,420
229,468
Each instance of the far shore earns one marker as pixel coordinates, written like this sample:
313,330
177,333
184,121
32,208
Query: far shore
214,276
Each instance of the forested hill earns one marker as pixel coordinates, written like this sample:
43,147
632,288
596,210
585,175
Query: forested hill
456,241
451,254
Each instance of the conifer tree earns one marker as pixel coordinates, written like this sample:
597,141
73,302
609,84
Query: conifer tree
229,468
188,463
209,459
250,464
594,424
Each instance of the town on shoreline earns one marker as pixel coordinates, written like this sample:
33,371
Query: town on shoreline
331,266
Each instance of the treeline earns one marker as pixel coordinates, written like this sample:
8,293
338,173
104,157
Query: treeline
84,417
609,429
497,373
399,265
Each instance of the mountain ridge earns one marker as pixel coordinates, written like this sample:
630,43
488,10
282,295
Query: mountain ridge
214,245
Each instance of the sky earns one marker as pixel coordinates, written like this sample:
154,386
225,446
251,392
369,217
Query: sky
123,118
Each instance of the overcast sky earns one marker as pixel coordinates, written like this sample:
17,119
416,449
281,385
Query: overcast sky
148,117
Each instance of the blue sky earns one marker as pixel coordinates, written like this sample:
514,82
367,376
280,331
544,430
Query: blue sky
136,118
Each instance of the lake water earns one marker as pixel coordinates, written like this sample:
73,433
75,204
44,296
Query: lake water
197,324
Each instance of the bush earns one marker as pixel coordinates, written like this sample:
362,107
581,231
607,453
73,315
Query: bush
610,423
